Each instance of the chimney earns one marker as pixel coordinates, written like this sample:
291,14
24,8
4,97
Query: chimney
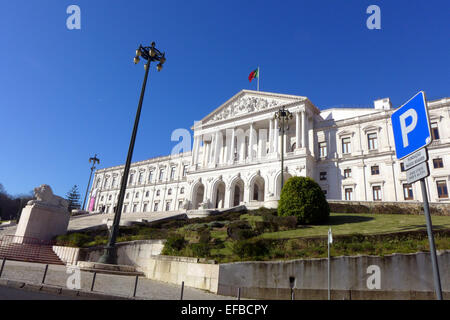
382,104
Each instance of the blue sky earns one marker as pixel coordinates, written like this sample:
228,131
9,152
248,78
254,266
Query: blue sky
68,94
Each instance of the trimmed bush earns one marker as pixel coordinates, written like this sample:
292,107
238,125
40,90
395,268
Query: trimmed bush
204,236
240,230
303,198
250,249
174,245
200,250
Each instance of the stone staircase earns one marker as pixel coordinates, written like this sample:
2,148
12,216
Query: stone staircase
29,252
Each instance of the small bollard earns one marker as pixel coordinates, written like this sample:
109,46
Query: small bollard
3,265
45,274
135,286
239,294
93,281
182,290
292,294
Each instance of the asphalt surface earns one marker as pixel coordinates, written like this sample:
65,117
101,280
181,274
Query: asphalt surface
7,293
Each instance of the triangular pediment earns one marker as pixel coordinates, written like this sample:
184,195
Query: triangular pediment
247,102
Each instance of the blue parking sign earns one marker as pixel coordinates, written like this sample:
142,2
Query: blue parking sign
411,126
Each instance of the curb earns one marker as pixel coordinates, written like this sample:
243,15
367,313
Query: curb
59,290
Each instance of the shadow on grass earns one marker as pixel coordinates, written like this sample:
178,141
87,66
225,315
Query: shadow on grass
337,220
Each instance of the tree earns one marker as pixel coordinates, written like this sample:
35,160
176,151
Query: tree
73,196
302,197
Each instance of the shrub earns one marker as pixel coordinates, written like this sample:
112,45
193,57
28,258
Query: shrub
240,230
174,244
74,239
302,197
204,236
250,249
201,250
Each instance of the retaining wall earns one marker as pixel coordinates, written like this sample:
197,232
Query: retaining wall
403,207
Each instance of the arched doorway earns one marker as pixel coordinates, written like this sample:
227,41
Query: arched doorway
198,194
237,192
218,195
278,182
257,189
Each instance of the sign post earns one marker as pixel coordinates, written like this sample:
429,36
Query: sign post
412,134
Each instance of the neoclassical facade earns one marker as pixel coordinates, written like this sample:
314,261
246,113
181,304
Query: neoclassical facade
236,156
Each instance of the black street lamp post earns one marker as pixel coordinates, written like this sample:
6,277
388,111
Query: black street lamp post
150,54
94,161
283,115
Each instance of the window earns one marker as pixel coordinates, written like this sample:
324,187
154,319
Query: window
442,189
408,192
372,141
180,204
161,174
110,196
348,193
101,199
155,208
346,146
437,163
182,190
147,193
402,167
157,193
434,131
144,208
134,207
347,173
124,208
324,192
130,180
98,183
167,205
106,182
150,176
172,173
114,182
323,176
169,192
375,170
127,196
137,195
184,170
323,149
376,190
141,177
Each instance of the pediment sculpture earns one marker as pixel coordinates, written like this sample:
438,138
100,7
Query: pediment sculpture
243,105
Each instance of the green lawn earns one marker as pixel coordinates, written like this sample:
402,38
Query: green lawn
348,223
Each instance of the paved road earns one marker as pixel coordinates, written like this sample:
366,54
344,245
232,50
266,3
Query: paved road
104,283
21,294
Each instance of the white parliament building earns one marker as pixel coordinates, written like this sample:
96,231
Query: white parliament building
236,158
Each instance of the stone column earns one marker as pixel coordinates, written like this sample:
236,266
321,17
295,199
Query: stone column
211,149
233,146
297,129
216,148
270,135
242,149
250,142
305,131
193,151
275,137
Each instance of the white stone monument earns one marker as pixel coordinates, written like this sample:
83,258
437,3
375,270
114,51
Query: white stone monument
45,217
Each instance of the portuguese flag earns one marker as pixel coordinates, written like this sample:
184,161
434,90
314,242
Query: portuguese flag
254,74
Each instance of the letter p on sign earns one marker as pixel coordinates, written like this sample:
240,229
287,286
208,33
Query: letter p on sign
411,126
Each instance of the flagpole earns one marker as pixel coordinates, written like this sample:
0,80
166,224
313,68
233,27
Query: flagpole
258,81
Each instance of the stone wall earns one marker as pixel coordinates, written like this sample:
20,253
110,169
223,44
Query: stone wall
342,206
68,255
271,280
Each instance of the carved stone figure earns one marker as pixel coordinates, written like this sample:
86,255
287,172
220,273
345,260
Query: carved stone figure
44,196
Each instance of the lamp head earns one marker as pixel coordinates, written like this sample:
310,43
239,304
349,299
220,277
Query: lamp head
159,67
